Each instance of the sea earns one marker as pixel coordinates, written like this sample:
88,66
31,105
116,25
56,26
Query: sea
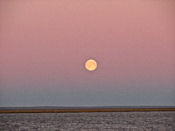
89,121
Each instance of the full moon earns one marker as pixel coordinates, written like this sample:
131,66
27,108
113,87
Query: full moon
91,65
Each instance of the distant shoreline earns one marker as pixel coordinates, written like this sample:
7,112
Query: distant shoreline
81,109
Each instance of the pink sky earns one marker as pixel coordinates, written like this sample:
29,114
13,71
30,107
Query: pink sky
44,44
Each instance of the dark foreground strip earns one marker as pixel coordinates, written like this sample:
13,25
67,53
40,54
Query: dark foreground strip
85,110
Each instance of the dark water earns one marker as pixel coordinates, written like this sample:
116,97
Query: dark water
105,121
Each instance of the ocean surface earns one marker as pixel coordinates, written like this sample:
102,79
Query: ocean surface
102,121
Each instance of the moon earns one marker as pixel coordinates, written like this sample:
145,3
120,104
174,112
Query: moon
91,65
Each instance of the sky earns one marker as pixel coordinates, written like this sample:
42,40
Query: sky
45,44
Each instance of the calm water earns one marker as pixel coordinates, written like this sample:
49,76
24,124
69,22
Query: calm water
114,121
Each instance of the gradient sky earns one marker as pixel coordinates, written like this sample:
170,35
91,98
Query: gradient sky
44,45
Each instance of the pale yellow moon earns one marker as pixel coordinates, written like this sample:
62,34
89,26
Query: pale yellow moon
91,65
